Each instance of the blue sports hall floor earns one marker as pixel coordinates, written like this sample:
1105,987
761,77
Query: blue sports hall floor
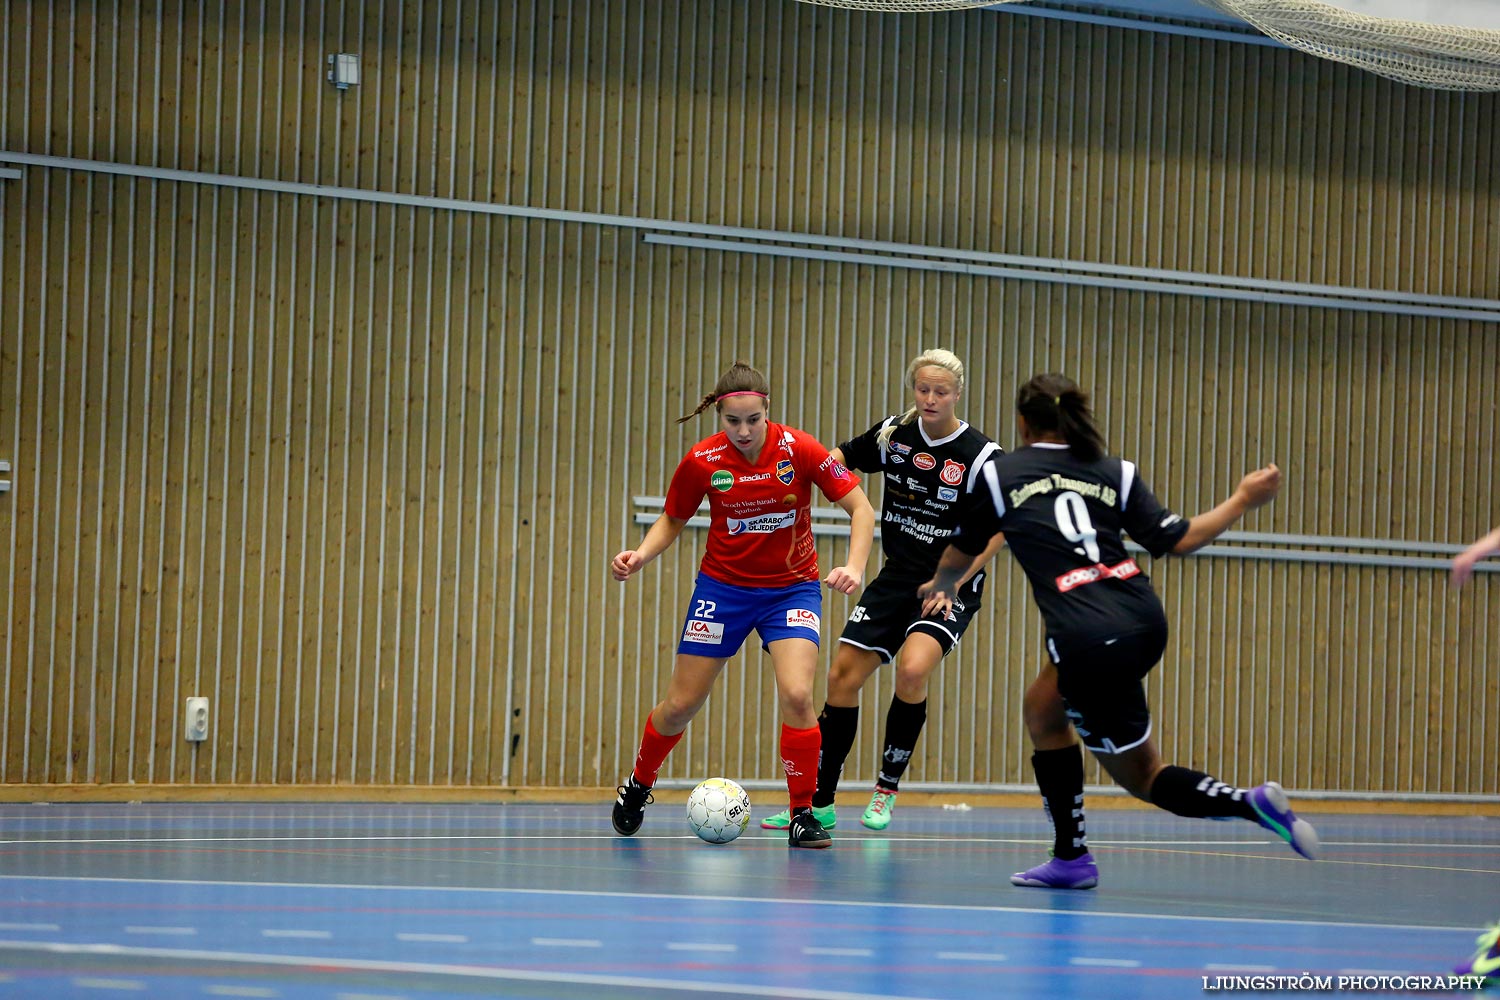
377,902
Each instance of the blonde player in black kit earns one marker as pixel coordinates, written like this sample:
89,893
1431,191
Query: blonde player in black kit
931,460
1063,504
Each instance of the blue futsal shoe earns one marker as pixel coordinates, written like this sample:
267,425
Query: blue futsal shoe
1486,961
1079,873
1275,814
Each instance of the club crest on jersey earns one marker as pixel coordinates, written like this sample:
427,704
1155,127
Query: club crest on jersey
722,480
784,471
709,632
802,618
953,472
923,461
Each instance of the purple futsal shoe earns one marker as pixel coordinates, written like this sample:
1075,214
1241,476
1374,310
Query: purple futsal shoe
1275,812
1080,873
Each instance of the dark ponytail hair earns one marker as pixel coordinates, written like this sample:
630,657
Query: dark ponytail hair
739,378
1053,403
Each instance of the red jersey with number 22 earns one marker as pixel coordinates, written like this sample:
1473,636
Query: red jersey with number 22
760,513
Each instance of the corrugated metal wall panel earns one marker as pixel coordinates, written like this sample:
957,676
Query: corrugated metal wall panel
354,471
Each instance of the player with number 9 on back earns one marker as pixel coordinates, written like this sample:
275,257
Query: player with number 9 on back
759,571
1064,505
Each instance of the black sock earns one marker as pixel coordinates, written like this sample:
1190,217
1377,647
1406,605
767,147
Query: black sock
838,725
1192,793
903,724
1059,777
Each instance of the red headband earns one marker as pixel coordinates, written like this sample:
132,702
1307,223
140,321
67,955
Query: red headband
743,392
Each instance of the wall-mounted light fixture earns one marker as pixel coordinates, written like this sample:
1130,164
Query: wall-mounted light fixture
343,70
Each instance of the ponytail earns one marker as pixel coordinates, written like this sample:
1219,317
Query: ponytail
739,378
1055,404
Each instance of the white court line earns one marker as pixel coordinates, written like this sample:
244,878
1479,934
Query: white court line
184,931
89,983
769,842
1108,963
1217,967
970,956
861,904
324,963
567,943
840,952
275,932
240,991
435,938
368,996
700,946
30,927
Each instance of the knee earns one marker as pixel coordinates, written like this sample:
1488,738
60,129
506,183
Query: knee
1043,713
845,678
674,713
911,682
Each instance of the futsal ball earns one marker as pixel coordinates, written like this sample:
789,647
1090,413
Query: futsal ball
718,810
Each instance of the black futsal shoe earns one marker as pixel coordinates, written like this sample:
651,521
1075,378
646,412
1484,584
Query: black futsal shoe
805,831
630,806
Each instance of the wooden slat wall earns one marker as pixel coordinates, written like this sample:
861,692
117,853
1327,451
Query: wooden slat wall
355,472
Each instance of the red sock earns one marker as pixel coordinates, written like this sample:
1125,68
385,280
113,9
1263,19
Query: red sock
799,756
654,750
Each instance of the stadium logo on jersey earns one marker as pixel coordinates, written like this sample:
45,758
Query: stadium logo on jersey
802,618
707,632
924,461
761,525
784,471
944,493
722,480
758,477
953,472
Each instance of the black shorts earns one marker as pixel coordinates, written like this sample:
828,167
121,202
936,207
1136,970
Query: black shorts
1102,689
889,610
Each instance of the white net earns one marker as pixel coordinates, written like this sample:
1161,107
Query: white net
1427,55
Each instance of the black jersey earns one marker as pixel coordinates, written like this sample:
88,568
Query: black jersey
1063,519
926,485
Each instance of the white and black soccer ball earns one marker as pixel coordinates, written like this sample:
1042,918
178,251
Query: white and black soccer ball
718,810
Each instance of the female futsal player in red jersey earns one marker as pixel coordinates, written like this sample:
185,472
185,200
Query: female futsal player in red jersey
759,571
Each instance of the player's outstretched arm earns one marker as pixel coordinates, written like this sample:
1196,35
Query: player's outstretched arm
1257,489
846,579
659,538
1463,563
954,566
983,559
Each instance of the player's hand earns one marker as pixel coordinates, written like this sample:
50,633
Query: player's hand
1259,487
1463,568
624,565
845,579
934,601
